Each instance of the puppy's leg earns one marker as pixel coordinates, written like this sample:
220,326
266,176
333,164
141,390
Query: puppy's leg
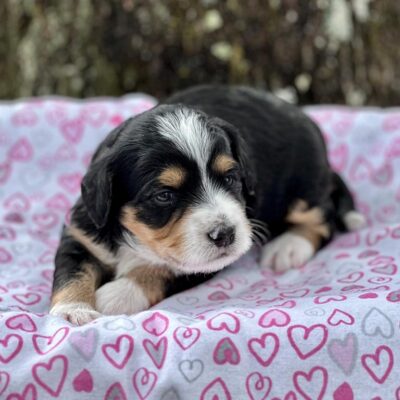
139,289
305,236
76,277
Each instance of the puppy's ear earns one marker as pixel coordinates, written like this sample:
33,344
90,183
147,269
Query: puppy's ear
97,191
240,152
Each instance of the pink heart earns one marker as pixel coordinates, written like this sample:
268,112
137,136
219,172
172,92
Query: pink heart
311,385
224,321
218,296
21,321
340,317
338,157
221,283
5,256
71,182
27,299
226,352
377,235
7,233
46,220
29,393
17,202
10,347
378,365
51,375
258,387
24,117
328,299
186,336
84,342
295,293
59,202
391,123
5,171
21,150
115,392
156,325
307,341
383,175
216,390
274,317
45,344
389,269
343,392
144,382
368,253
344,352
4,381
83,382
156,351
352,277
394,296
360,169
72,130
264,349
118,353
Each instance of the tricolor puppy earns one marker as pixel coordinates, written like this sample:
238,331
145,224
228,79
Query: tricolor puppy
181,191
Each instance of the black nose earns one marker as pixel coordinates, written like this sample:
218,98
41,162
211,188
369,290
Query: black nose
222,235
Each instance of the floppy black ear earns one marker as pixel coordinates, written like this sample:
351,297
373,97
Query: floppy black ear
97,191
240,152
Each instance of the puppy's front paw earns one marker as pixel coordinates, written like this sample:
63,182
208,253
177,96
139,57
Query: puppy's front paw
76,313
286,251
122,296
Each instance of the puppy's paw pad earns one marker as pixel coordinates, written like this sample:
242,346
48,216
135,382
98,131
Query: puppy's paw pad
286,251
122,296
76,313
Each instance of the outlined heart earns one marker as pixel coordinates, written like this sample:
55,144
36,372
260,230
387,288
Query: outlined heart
274,318
51,375
311,385
216,390
115,392
21,322
307,341
156,325
340,317
27,299
191,370
376,323
119,353
264,349
29,393
45,344
344,352
378,365
21,150
10,347
186,337
226,352
258,387
144,382
156,351
17,202
224,321
4,381
352,277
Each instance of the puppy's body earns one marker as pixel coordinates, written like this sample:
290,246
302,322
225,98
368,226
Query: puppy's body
178,192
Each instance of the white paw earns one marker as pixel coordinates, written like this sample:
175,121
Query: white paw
286,251
122,296
354,221
76,313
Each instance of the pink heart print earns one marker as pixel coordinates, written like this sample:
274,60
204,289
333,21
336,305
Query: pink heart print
186,336
29,393
226,352
312,384
380,364
224,321
21,322
343,392
156,325
115,392
21,151
10,347
51,375
83,382
4,381
265,348
216,390
156,351
274,318
119,353
44,344
144,382
258,387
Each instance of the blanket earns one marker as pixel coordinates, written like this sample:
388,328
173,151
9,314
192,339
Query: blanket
328,330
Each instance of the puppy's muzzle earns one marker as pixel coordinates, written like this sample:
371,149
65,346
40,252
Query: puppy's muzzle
222,235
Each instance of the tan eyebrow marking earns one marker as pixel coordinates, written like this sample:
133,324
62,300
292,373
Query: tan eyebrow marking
223,163
172,176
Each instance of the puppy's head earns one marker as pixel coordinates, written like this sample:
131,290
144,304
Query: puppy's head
178,182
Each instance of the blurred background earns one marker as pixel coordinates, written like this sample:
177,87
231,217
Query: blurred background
308,51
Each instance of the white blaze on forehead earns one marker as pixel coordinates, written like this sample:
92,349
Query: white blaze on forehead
185,128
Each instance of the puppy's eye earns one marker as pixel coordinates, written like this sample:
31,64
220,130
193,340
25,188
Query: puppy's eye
230,179
165,197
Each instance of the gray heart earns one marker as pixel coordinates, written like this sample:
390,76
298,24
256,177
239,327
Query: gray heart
187,300
315,312
170,395
120,324
377,323
191,370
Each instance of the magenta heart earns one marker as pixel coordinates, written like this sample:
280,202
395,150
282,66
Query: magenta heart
368,296
307,341
27,299
21,150
21,321
115,392
83,382
186,336
72,130
144,382
390,269
343,392
4,381
264,349
218,296
224,321
340,317
258,387
394,297
45,344
274,317
216,390
156,351
29,393
380,364
119,353
5,256
10,347
311,385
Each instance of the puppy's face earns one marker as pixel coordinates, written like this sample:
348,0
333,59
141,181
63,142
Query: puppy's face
180,185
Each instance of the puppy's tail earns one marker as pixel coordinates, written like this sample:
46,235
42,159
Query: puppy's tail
347,217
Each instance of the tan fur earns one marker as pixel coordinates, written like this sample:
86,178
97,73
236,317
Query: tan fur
173,177
223,163
152,281
79,290
166,241
309,222
98,250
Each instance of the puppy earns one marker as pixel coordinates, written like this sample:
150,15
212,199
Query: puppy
177,193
